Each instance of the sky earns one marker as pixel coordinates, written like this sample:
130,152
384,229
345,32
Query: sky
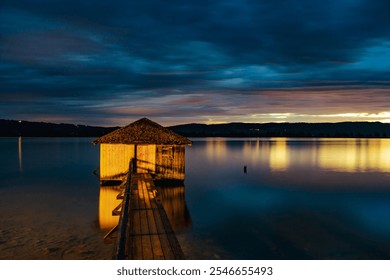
206,61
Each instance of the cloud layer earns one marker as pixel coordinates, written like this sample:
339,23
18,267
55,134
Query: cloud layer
109,63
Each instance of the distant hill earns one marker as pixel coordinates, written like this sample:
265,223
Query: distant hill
342,129
34,129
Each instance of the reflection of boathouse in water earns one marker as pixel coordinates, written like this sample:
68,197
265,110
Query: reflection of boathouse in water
157,151
108,201
172,198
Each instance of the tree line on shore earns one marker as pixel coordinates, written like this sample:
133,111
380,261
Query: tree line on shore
12,128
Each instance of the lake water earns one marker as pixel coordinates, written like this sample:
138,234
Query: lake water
243,199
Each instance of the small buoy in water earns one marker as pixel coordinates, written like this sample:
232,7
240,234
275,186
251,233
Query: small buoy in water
245,169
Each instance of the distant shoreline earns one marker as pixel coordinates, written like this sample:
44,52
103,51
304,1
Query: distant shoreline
13,128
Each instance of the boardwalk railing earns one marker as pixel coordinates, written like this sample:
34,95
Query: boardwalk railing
122,233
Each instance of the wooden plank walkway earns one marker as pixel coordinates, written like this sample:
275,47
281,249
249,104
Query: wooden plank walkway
148,233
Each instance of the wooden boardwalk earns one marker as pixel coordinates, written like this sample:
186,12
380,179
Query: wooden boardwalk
145,232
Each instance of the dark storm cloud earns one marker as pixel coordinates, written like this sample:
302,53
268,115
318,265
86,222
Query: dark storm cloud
91,57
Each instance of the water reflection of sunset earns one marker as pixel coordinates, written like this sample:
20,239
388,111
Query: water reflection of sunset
356,155
313,193
341,155
254,149
278,155
216,149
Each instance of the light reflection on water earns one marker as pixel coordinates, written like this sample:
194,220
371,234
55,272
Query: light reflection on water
20,153
49,199
300,198
108,201
343,155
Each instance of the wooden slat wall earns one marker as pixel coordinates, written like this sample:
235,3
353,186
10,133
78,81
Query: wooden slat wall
167,161
170,165
114,160
146,159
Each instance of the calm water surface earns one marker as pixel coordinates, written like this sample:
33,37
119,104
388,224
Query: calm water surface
298,199
49,199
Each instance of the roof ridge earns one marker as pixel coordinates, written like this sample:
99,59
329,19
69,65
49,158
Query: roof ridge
143,131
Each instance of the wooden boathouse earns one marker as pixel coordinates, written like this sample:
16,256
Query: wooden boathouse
137,155
156,150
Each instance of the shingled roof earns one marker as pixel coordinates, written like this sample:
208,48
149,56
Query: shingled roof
143,131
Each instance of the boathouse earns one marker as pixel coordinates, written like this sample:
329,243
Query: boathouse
156,150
